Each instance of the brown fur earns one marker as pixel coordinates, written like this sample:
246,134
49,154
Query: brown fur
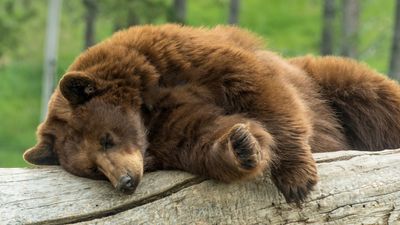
214,103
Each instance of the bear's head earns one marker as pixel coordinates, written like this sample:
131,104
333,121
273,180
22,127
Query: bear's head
94,127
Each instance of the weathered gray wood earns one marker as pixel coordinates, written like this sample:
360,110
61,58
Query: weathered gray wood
354,188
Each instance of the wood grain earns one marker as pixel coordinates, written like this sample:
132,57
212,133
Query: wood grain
355,188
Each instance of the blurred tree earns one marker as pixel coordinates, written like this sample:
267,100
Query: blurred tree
234,11
329,12
13,13
394,70
50,60
125,13
90,20
350,27
177,13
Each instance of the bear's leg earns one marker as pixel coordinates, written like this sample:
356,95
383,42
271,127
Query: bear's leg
366,102
199,138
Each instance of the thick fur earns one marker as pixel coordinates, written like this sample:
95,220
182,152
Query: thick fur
366,103
215,103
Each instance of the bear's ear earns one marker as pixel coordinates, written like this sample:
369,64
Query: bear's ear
77,88
42,153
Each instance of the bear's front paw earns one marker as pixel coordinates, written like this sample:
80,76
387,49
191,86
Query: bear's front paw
296,182
245,146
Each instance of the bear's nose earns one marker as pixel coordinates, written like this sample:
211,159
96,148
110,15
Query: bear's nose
126,184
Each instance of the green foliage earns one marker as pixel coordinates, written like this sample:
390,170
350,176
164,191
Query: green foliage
19,110
125,13
17,18
377,19
289,27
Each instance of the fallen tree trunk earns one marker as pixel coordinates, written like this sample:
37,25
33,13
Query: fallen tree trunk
354,188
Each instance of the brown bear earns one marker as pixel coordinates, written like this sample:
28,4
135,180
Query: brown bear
212,102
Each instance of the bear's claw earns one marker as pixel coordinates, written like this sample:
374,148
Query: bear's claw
295,189
245,146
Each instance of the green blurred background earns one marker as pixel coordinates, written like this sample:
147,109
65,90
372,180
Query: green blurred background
291,27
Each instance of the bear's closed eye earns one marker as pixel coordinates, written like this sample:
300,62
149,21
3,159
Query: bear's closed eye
107,141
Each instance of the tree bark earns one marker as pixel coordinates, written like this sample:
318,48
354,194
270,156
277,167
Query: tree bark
329,13
394,70
179,11
234,6
350,27
133,18
355,188
90,22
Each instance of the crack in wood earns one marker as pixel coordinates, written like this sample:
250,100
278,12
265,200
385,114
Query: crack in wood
389,214
125,207
340,158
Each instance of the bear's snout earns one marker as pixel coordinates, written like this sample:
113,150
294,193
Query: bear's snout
127,184
122,167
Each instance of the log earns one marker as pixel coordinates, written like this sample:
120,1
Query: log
355,188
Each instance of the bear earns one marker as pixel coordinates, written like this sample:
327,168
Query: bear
213,102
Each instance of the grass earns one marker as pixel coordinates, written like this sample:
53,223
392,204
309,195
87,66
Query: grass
289,27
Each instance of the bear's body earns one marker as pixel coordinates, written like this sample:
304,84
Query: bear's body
214,103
